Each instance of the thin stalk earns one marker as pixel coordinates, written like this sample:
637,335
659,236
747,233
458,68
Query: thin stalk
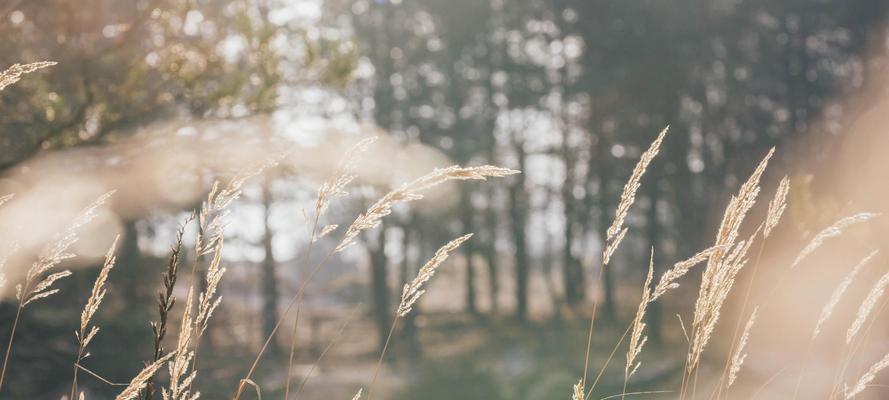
608,361
15,325
292,349
293,301
589,340
370,389
326,349
737,331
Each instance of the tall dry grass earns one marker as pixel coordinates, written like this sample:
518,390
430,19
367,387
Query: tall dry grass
723,262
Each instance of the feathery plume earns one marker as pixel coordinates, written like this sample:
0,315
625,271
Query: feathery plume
740,355
867,306
669,278
325,231
838,293
412,191
54,254
412,291
777,206
724,264
97,294
578,391
834,230
84,335
14,73
206,301
214,210
165,302
637,340
867,378
5,198
616,232
138,383
358,395
344,175
178,366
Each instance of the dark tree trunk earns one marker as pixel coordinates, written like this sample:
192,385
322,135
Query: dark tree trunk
269,279
654,313
379,287
517,209
468,248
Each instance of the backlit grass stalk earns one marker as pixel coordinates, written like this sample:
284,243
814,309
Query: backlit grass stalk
39,279
411,293
86,333
615,233
370,219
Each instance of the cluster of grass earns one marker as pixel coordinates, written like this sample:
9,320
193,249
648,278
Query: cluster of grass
722,263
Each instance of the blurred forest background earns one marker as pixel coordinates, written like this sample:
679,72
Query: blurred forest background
156,98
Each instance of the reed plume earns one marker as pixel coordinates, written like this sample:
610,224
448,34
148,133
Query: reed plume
14,73
838,293
831,231
669,278
412,191
414,290
140,380
740,355
724,264
165,302
617,231
48,258
411,293
867,306
344,175
86,333
178,366
577,394
637,339
776,207
867,378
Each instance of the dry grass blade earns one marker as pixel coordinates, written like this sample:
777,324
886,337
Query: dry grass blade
616,231
777,206
834,230
577,393
867,378
180,377
838,294
85,335
344,175
412,191
98,292
724,264
740,355
54,254
637,339
669,278
867,306
414,290
14,73
138,383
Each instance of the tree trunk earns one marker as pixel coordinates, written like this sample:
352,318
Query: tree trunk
653,316
269,279
517,209
468,249
379,287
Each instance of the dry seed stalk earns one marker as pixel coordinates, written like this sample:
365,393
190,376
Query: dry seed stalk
412,191
838,294
834,230
617,231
